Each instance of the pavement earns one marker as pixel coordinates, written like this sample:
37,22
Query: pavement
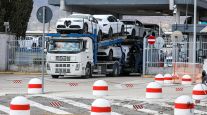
76,99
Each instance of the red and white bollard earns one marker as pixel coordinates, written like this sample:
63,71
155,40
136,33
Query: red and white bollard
154,90
19,106
101,107
186,80
159,78
35,86
184,105
168,79
199,92
100,88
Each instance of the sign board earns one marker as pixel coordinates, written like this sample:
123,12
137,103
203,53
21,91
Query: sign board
204,30
159,42
151,40
48,14
177,36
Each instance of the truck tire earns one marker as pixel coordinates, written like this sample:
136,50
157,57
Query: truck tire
55,76
110,33
88,72
85,29
122,30
133,33
99,37
115,71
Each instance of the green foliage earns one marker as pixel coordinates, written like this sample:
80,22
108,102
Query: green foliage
17,13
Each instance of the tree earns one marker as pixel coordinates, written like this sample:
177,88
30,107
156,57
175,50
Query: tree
17,13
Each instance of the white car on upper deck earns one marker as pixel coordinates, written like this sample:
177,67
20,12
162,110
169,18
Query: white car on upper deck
110,25
133,28
78,23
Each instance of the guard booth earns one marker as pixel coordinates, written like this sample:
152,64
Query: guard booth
174,54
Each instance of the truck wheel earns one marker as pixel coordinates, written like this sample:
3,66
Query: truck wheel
133,33
110,33
88,72
55,76
85,29
99,37
122,30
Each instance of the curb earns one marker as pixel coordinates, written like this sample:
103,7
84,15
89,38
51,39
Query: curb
21,73
148,76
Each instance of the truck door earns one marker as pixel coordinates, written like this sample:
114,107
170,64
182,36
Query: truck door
88,51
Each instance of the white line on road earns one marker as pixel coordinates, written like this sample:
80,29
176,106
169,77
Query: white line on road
4,109
141,110
47,108
71,102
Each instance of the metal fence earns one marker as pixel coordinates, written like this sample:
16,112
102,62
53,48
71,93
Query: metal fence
174,57
25,55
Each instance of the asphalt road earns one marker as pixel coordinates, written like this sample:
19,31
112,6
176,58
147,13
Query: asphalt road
78,99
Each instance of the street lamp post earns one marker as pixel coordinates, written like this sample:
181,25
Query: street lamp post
194,37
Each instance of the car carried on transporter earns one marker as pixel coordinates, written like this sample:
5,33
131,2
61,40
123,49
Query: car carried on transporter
133,28
78,23
110,25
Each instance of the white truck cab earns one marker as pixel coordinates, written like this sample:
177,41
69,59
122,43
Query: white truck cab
69,56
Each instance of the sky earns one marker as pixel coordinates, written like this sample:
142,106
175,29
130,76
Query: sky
34,25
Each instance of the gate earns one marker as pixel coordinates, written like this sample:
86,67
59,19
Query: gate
174,57
25,55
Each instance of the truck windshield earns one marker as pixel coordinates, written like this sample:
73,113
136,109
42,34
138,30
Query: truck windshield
70,46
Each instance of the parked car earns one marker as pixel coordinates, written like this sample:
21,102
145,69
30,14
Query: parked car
152,29
28,42
111,52
133,28
110,25
78,23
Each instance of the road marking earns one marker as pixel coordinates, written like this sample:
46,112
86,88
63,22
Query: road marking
4,109
141,110
200,112
195,110
74,103
47,108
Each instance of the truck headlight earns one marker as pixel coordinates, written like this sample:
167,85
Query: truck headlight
77,67
72,58
52,58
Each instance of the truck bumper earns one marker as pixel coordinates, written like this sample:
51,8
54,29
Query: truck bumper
65,69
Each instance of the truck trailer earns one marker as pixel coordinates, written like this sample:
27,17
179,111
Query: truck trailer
76,55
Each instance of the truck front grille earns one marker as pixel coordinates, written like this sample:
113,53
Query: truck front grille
62,65
62,70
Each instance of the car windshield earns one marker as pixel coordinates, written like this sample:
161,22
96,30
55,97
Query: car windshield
99,19
69,46
79,16
155,27
129,22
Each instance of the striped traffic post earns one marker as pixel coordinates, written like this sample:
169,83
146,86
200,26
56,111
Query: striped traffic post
35,86
19,106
